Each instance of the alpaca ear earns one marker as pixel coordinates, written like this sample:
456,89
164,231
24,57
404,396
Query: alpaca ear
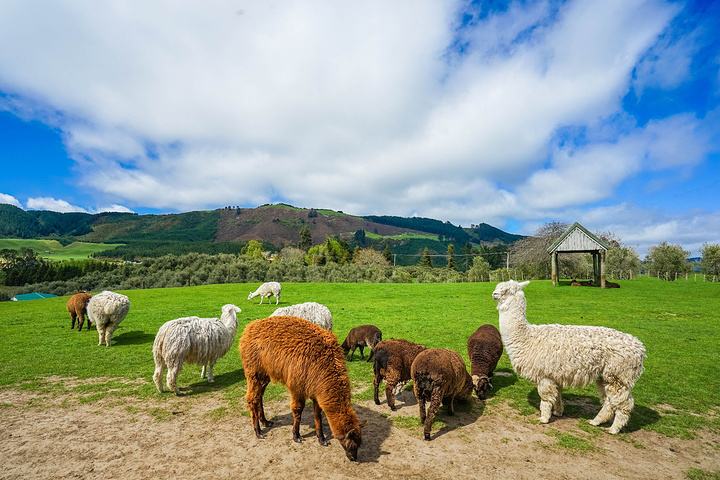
237,309
524,284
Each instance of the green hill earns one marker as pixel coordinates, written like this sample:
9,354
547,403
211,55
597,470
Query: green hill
54,250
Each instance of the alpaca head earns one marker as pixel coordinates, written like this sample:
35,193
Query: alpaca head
481,385
252,295
230,308
508,289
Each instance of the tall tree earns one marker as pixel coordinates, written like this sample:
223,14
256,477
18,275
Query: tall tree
387,253
451,256
667,260
425,259
305,238
711,259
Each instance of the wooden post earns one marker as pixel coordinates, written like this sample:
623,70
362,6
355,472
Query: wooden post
602,269
554,268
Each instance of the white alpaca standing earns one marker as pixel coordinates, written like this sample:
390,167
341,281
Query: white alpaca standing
106,310
266,290
559,356
201,341
316,313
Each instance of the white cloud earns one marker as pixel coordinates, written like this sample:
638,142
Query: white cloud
668,63
52,204
113,208
9,199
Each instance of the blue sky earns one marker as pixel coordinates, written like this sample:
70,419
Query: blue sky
511,113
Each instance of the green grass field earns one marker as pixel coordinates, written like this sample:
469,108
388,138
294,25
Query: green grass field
679,322
54,250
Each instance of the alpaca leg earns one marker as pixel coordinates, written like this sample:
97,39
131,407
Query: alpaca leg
297,405
318,424
72,321
451,406
435,402
264,382
559,405
549,393
277,299
202,371
377,378
254,401
362,352
262,297
622,403
172,374
157,376
606,412
421,403
210,375
108,335
101,335
81,321
390,385
372,353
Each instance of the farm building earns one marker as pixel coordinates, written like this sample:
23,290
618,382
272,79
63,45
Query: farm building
578,239
31,296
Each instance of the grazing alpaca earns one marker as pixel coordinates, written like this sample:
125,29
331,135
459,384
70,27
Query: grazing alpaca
393,359
559,356
201,341
267,290
484,349
439,376
77,308
106,310
360,337
316,313
308,360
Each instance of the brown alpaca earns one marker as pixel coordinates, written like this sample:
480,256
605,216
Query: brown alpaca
609,284
439,376
393,359
360,337
484,349
309,362
77,308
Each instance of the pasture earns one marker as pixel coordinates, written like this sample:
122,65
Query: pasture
54,250
677,398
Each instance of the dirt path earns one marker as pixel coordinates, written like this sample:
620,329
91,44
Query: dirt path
55,436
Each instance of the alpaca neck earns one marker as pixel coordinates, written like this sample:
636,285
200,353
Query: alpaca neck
230,321
340,417
512,317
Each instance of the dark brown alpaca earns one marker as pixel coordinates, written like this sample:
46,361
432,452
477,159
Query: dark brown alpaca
393,359
439,376
77,308
484,349
309,362
360,337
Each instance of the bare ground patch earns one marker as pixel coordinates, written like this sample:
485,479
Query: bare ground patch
55,435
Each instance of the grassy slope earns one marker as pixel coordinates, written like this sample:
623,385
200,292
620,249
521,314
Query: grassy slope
679,323
54,250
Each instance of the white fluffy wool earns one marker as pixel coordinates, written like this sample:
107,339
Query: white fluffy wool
314,312
558,356
266,290
201,341
106,310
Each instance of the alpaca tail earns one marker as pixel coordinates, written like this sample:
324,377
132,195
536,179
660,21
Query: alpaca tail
424,385
381,361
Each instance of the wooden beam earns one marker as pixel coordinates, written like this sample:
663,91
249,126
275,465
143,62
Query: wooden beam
554,268
602,269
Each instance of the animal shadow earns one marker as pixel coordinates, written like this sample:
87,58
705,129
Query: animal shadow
134,337
502,378
587,406
374,433
466,413
222,381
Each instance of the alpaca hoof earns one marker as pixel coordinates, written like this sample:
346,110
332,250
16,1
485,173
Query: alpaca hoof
323,442
377,402
544,420
427,437
268,423
297,439
613,431
594,422
260,436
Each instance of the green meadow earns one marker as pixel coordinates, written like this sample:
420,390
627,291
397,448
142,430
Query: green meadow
54,250
679,322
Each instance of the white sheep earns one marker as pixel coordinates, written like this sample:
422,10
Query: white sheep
266,290
201,341
559,356
106,310
316,313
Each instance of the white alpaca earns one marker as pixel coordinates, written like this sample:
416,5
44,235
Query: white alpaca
559,356
316,313
201,341
106,310
266,290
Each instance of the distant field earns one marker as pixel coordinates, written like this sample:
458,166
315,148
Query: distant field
679,322
54,250
403,236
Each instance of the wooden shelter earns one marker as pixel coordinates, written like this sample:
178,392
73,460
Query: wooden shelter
578,239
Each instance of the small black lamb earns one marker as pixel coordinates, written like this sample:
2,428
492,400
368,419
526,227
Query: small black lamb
484,350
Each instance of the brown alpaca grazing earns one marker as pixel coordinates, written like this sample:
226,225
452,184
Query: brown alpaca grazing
77,308
610,284
309,362
439,376
360,337
484,349
393,359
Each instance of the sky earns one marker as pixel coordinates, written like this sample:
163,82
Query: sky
509,113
